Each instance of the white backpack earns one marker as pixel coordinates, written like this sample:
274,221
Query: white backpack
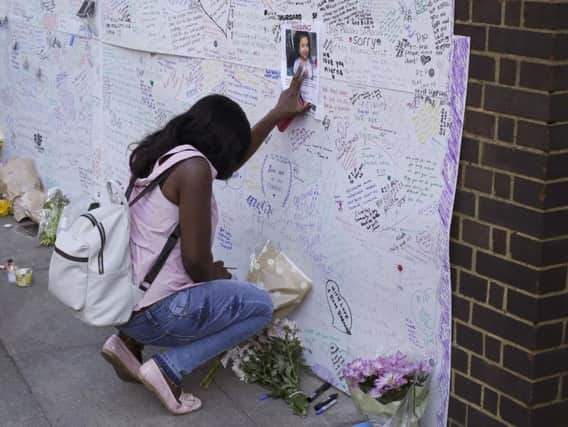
90,270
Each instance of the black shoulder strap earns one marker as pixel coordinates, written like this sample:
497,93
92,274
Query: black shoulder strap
172,238
157,181
130,187
161,260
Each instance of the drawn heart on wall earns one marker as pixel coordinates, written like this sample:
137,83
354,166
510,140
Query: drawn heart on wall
218,12
425,59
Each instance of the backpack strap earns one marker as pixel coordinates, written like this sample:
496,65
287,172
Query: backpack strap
161,260
130,188
153,184
161,173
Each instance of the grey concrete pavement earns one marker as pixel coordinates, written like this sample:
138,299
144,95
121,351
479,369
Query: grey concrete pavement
51,372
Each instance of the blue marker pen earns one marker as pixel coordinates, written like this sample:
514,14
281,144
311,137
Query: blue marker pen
321,389
326,406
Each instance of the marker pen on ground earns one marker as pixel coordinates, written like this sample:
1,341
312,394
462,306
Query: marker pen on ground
321,404
326,407
321,389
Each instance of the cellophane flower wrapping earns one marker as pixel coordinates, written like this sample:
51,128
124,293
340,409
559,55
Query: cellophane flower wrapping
391,390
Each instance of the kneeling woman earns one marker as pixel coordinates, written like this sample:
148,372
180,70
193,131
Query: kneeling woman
192,307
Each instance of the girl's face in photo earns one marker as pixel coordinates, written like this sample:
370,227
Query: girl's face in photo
304,48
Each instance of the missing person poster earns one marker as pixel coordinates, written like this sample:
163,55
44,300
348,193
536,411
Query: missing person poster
301,50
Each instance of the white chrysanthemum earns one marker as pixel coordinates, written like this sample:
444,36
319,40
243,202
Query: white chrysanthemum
276,331
283,328
290,325
231,356
239,372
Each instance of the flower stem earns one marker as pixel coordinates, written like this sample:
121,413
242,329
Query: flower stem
211,374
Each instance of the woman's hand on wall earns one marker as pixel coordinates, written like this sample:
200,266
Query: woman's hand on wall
289,103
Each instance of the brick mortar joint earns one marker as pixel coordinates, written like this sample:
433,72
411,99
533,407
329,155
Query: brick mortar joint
508,287
515,203
494,335
510,259
500,393
538,299
503,340
489,168
548,125
524,29
520,87
501,228
532,382
512,175
518,57
480,409
534,296
526,89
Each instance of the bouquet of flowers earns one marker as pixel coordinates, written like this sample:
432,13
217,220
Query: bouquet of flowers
273,359
50,216
391,390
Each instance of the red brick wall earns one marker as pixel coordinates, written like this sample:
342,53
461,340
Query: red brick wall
509,246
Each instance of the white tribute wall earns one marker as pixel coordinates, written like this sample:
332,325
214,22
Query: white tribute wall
361,200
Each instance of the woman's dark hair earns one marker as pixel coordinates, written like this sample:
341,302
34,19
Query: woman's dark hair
298,36
214,125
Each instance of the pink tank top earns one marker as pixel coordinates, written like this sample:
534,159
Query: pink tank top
152,220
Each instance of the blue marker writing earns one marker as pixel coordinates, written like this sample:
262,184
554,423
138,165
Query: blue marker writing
72,40
326,406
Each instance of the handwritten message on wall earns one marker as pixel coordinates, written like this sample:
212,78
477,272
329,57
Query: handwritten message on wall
361,200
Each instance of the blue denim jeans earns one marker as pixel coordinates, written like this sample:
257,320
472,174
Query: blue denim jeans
200,323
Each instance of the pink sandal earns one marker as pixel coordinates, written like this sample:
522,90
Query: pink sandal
152,377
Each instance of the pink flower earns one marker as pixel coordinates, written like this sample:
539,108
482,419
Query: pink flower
390,381
378,365
353,372
368,369
375,393
388,372
397,362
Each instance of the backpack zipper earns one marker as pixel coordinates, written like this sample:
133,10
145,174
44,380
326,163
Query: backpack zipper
102,232
102,235
70,257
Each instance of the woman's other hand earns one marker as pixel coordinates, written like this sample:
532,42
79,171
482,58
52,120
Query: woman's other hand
288,105
219,271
